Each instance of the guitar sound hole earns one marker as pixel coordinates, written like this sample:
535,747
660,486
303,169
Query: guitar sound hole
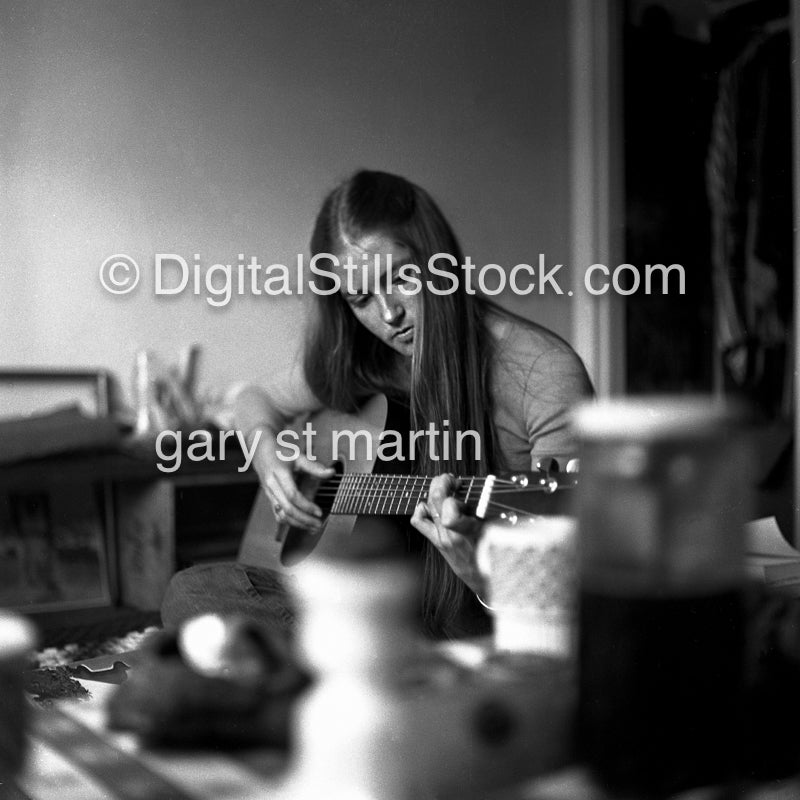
323,493
299,542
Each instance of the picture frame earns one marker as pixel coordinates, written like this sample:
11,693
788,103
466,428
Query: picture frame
53,547
56,537
30,390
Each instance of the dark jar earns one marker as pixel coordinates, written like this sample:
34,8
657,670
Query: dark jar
661,506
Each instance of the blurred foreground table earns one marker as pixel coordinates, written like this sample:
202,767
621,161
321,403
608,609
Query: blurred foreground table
478,724
486,735
72,756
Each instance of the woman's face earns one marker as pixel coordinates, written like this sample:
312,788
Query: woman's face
371,286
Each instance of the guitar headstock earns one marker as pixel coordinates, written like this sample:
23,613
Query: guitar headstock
548,476
524,493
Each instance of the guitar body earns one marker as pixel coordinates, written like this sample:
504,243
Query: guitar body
268,543
381,503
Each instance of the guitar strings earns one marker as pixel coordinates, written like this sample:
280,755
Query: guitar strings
359,492
386,494
505,507
411,481
391,488
353,476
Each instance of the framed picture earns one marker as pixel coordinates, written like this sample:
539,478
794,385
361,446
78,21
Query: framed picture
36,390
53,548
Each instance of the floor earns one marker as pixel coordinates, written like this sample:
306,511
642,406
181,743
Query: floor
58,628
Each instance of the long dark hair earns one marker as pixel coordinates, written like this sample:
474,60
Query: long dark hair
344,363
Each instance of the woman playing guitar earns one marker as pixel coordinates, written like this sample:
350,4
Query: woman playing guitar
394,315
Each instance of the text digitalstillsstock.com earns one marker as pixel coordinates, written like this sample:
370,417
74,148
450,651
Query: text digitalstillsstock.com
219,283
389,445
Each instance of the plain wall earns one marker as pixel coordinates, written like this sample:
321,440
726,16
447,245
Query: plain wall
216,127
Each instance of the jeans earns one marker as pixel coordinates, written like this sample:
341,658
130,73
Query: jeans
265,596
229,588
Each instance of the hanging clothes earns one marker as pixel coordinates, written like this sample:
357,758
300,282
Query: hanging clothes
749,184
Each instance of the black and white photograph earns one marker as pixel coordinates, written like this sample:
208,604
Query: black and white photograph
53,549
399,399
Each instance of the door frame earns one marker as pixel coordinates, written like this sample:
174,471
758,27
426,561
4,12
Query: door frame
597,186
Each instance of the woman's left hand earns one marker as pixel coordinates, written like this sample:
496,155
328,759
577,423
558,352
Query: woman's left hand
443,521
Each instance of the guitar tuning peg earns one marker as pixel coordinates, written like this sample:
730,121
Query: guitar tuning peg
574,465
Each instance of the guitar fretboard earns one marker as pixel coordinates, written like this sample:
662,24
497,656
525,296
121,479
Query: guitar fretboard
391,495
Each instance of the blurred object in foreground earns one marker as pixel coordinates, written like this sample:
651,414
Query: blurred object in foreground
531,571
393,716
17,642
770,558
233,689
351,729
661,508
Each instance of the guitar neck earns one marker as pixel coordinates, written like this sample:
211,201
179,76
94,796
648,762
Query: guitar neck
394,495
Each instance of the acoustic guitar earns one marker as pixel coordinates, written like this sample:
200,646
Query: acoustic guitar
356,501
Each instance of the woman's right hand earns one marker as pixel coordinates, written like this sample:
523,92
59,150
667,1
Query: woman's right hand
279,480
